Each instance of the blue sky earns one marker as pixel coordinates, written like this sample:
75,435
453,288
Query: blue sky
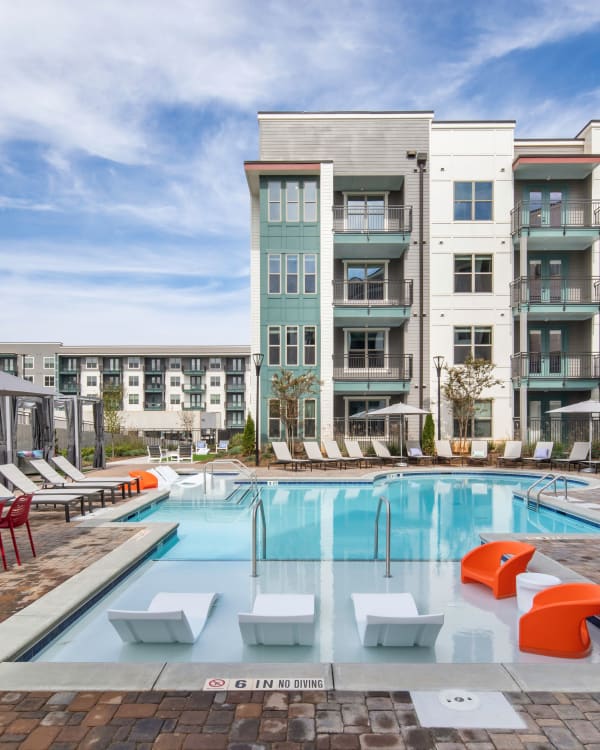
124,212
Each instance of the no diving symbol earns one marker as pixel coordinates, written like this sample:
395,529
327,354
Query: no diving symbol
216,683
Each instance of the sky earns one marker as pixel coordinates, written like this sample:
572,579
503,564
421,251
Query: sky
124,125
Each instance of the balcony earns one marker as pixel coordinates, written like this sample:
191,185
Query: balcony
69,389
383,302
154,387
556,297
194,407
154,405
188,388
193,369
235,369
383,227
558,370
375,372
547,224
235,387
235,405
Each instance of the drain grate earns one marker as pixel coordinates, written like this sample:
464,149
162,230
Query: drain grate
463,709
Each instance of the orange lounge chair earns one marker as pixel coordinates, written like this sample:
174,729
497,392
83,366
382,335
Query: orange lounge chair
556,623
147,481
484,564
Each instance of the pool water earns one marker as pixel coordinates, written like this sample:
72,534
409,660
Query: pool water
434,518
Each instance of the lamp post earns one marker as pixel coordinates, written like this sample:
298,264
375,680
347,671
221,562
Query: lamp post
439,363
258,360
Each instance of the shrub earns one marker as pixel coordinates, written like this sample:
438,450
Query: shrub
428,436
249,436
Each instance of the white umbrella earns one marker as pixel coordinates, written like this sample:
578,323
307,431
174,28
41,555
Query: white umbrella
581,407
394,410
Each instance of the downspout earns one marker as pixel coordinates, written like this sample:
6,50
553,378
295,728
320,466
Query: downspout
421,162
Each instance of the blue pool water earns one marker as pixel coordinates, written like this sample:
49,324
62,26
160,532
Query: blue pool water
435,517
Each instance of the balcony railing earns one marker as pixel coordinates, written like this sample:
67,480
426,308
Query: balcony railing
375,293
70,388
154,405
555,290
372,366
561,215
194,407
154,387
559,428
235,405
394,219
559,365
190,388
235,388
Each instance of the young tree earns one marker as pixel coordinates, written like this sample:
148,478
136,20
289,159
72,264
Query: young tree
112,395
249,436
464,386
428,436
289,389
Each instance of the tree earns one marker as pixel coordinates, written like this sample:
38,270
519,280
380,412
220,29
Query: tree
249,436
288,389
187,421
463,387
112,395
428,436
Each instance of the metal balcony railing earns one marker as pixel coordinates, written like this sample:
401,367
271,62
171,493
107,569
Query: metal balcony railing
559,365
555,290
154,405
377,293
193,388
394,219
560,215
372,366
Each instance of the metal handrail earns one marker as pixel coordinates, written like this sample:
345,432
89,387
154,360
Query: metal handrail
388,525
257,505
552,479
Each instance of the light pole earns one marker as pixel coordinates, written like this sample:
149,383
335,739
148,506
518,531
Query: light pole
258,360
439,363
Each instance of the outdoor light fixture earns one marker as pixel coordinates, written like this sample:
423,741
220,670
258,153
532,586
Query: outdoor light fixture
258,360
439,364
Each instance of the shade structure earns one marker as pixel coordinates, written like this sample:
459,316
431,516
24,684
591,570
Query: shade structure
10,385
589,407
393,410
13,388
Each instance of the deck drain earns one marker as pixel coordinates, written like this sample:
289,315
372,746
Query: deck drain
459,700
463,709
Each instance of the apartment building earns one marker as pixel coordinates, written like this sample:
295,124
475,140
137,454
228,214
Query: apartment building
164,388
380,240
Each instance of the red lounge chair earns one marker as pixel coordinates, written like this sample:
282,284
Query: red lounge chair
556,623
17,515
485,564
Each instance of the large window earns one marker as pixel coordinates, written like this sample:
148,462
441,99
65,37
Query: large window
274,200
92,381
49,364
49,381
366,213
291,274
291,346
473,201
310,418
480,426
292,201
274,426
310,274
274,274
473,273
310,200
28,362
310,345
366,349
359,423
474,342
274,346
365,281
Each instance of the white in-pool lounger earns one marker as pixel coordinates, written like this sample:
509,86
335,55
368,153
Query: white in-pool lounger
279,620
393,620
170,618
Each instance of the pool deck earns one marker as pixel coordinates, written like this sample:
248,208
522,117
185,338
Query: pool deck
162,705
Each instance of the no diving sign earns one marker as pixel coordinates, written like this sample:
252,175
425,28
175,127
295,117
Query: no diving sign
264,683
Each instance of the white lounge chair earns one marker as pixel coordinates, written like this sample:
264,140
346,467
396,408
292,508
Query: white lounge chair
579,455
185,453
542,454
64,501
279,620
414,453
383,452
393,620
223,446
53,480
479,452
354,451
333,451
155,453
285,458
201,448
316,457
73,473
170,618
512,453
444,452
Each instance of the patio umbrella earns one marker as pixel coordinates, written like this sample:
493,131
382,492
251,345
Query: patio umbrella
394,410
581,407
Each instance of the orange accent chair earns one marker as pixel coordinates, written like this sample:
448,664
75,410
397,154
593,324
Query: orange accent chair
147,481
17,515
484,564
556,623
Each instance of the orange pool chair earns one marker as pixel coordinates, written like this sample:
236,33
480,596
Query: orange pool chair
484,564
556,623
147,481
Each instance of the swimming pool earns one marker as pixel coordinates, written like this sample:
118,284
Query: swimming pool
435,517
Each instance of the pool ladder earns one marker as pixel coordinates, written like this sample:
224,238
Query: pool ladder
388,525
257,507
549,479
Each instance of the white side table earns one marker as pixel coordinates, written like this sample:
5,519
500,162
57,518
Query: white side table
529,584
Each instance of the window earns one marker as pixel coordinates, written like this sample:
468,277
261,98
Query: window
49,381
28,363
195,364
274,420
310,418
480,426
366,213
473,201
274,345
28,377
310,274
112,363
292,204
133,399
215,398
49,364
310,345
365,281
154,365
473,273
215,381
291,345
310,200
91,364
274,274
237,364
214,363
175,381
361,425
274,200
473,341
133,363
92,381
134,380
175,363
175,398
366,349
291,274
